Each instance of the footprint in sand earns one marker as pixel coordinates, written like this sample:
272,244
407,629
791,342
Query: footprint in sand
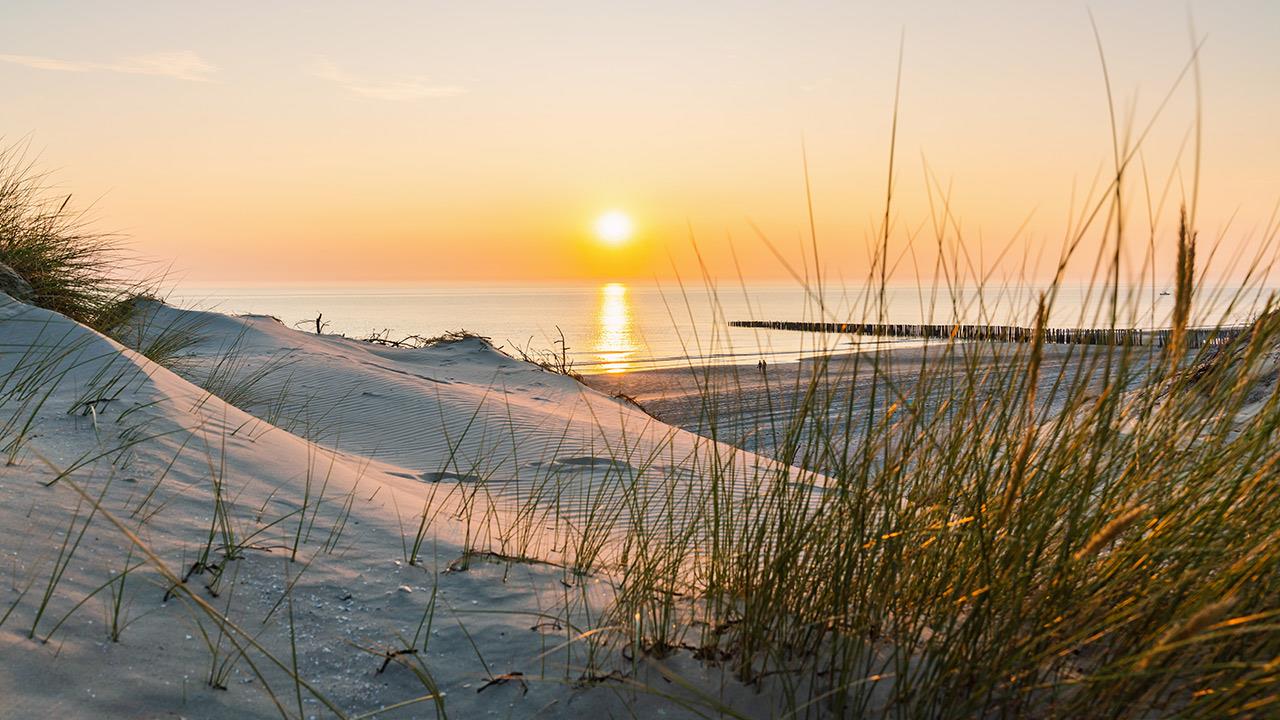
591,462
435,477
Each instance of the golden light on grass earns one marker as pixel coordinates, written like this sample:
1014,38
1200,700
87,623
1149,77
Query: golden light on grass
614,228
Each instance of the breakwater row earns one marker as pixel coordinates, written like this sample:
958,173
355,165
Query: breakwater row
1196,337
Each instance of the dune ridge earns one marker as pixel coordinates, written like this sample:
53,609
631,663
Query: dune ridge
367,517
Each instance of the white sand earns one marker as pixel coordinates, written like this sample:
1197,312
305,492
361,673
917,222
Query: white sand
503,457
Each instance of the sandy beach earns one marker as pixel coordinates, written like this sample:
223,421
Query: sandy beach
758,408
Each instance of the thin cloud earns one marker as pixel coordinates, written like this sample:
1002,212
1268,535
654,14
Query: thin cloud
404,88
181,65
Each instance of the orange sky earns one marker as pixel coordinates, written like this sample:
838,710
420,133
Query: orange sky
406,142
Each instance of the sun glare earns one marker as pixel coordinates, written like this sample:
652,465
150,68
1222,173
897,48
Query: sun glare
614,228
615,343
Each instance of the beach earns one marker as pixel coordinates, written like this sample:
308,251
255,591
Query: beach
759,408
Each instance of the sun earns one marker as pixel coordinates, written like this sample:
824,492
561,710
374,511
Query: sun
614,228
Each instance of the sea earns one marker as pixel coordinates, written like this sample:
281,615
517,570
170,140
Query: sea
614,327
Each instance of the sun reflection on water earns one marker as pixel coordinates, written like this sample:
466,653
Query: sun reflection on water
615,344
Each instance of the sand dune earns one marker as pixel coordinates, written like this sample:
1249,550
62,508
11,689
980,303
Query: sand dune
297,521
457,412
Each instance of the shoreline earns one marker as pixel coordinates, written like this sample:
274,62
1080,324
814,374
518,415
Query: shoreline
755,410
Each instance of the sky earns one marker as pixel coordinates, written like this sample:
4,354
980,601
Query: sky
434,142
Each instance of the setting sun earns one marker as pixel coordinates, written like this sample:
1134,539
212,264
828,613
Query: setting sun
614,228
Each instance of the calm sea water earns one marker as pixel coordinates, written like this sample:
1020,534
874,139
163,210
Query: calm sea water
616,327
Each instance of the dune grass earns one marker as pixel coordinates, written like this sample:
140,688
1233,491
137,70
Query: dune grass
992,539
981,557
71,268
